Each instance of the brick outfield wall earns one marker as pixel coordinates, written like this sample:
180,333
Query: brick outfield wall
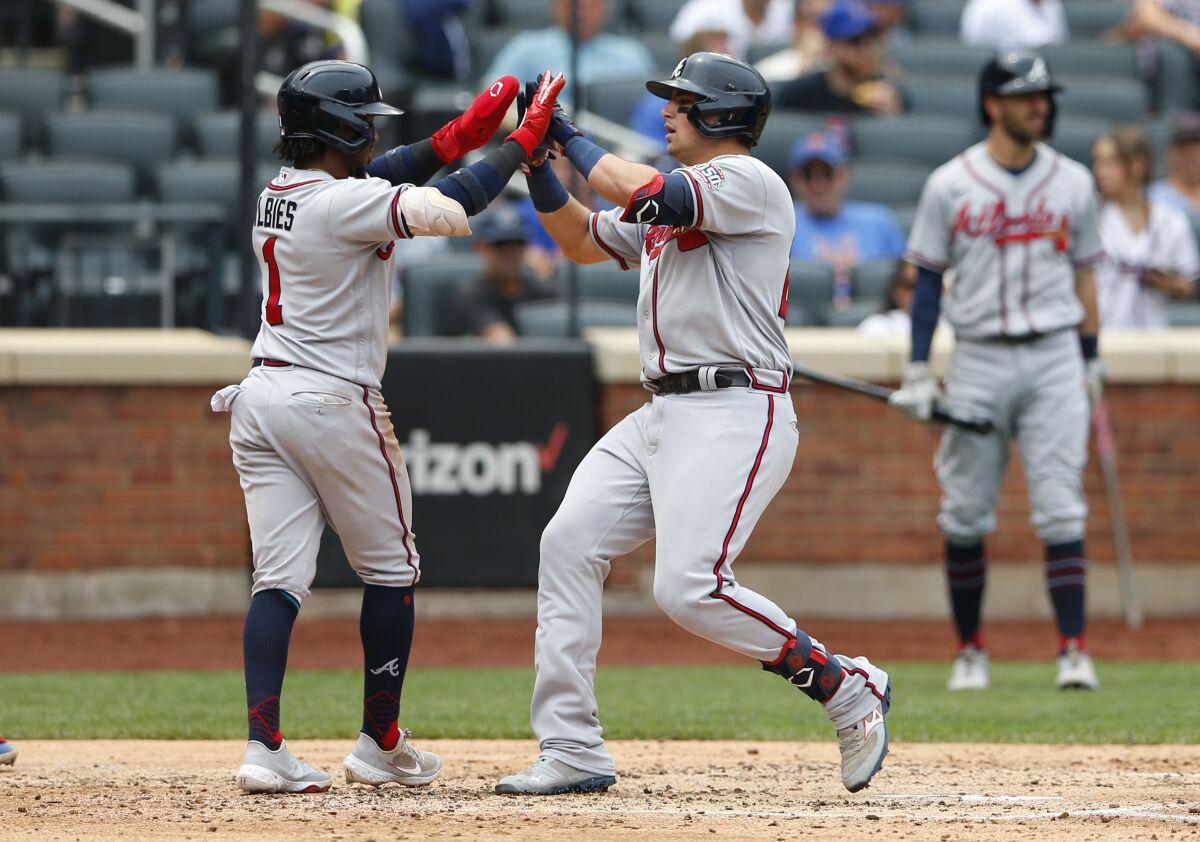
101,477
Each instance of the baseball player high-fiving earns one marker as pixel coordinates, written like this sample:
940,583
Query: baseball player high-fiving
696,466
1017,222
312,439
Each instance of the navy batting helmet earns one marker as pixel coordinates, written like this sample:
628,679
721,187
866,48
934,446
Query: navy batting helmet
329,101
1017,72
728,88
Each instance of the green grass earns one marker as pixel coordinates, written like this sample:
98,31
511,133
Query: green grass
1138,703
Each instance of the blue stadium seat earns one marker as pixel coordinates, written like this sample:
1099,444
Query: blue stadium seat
1176,87
930,139
1074,136
1090,18
30,93
429,289
940,55
936,17
1116,99
905,214
551,318
614,99
218,135
604,281
528,14
954,96
870,281
656,16
142,140
889,183
10,136
486,44
183,94
1085,59
208,180
810,291
389,39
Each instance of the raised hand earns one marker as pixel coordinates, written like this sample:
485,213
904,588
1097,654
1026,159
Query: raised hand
475,126
538,109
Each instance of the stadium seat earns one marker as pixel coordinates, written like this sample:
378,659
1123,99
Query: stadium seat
1074,136
810,291
870,281
1090,18
1159,133
551,318
887,182
528,14
783,129
486,44
936,17
429,288
31,93
68,181
1183,313
389,38
210,180
218,135
656,16
851,314
1115,99
1176,87
930,94
1086,59
921,138
905,214
614,99
604,281
183,94
663,50
142,140
10,136
940,55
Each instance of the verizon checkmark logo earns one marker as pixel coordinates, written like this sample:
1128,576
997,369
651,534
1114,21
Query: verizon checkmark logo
549,452
480,467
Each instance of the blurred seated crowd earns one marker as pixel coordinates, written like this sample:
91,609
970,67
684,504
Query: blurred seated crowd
869,97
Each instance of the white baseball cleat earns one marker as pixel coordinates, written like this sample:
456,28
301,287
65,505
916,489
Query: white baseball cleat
1075,670
970,670
405,764
264,770
864,745
548,776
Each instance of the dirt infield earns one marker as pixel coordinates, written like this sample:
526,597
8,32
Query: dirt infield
132,790
216,643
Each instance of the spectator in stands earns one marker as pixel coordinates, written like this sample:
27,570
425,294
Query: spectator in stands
807,51
748,22
830,229
1149,249
893,18
1013,24
485,306
1174,20
647,119
854,81
894,318
602,55
1181,187
438,36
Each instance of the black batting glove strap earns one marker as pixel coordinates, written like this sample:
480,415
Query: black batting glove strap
814,674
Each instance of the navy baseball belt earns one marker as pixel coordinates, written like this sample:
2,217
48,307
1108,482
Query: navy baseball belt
706,379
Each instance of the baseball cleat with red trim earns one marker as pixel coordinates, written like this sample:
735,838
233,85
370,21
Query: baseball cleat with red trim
406,764
264,770
858,710
548,776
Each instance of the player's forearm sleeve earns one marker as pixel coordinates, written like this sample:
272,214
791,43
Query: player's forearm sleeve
583,154
545,190
415,163
926,307
475,186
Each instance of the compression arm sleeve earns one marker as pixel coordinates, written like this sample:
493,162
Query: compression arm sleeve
926,307
475,186
415,163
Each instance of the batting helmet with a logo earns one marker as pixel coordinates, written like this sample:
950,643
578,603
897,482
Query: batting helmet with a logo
732,90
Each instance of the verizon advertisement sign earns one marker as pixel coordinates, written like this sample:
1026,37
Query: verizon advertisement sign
490,437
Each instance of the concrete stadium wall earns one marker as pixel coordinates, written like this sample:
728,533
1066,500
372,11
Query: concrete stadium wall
118,498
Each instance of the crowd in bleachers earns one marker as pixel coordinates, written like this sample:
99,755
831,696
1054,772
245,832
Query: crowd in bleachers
870,96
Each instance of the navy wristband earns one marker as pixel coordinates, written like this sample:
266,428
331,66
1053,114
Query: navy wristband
545,190
1090,345
584,154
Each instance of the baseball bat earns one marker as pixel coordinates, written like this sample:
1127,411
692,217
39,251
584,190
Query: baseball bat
940,413
1106,449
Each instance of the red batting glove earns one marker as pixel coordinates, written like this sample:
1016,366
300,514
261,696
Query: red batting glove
538,112
478,123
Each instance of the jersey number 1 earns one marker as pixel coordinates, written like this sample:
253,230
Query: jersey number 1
274,308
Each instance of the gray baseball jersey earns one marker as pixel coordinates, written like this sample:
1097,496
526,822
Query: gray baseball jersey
324,244
718,297
1014,240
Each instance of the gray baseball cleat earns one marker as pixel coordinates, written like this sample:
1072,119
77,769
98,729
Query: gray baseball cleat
864,745
548,776
264,770
970,670
406,764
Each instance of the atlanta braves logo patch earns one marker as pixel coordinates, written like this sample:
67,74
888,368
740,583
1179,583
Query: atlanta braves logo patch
711,176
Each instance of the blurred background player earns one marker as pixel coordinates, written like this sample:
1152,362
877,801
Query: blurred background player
1149,252
1017,221
312,439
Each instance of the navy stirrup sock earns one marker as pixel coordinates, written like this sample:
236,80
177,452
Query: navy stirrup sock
966,574
386,628
265,639
1066,579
